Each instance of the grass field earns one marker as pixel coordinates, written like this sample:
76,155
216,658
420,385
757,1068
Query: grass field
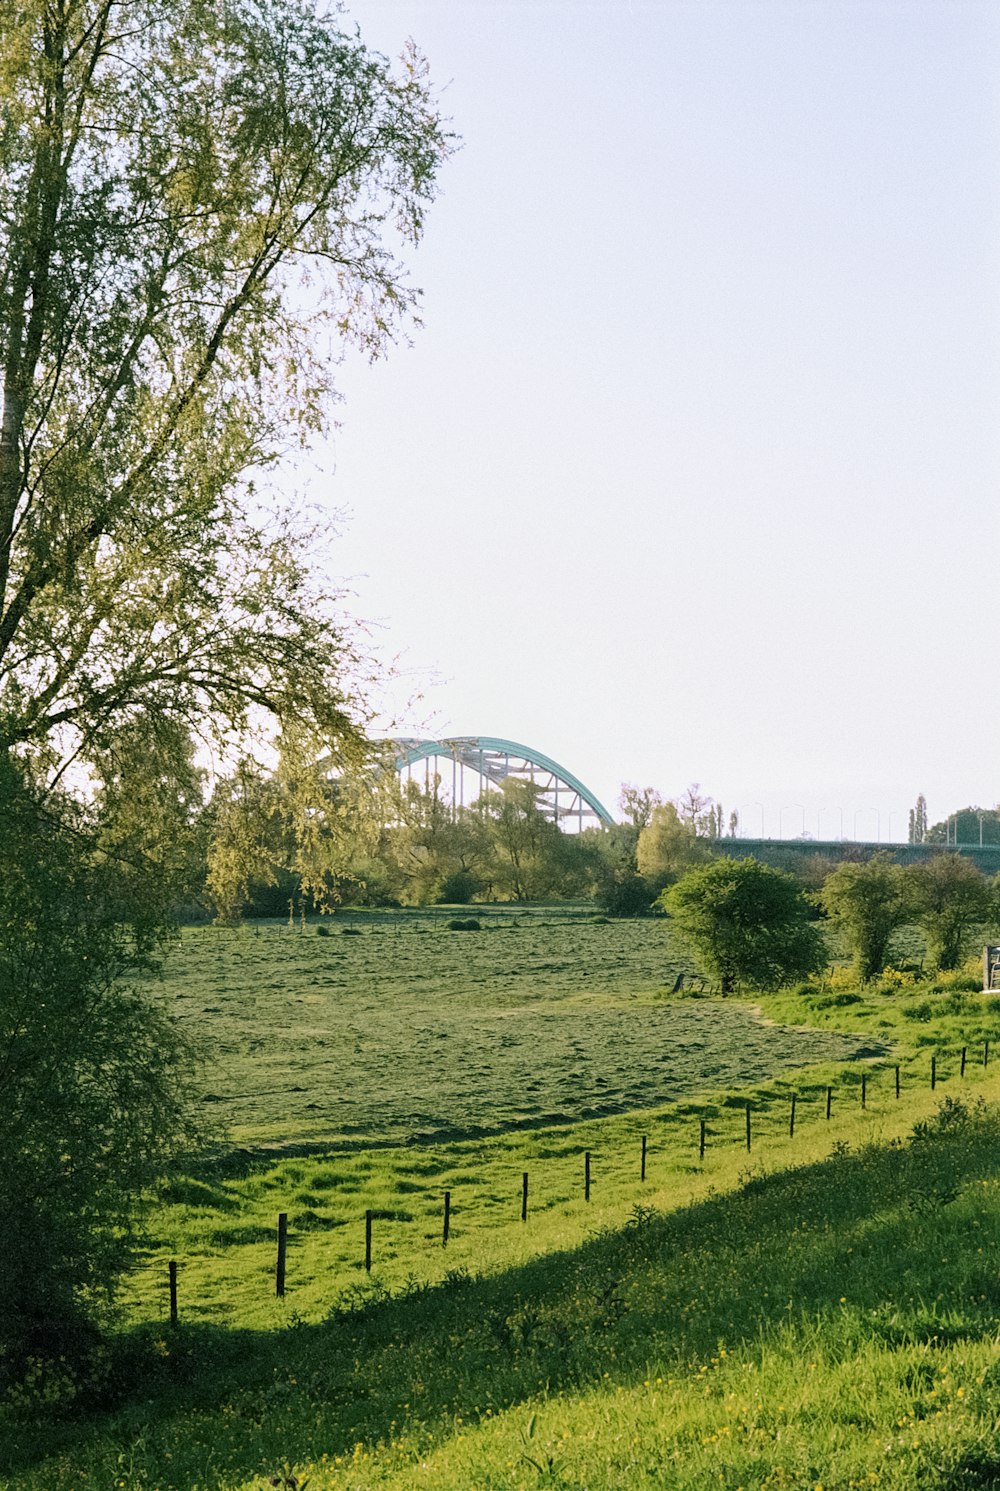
819,1312
396,1030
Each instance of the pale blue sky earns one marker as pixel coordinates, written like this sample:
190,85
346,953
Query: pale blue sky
692,472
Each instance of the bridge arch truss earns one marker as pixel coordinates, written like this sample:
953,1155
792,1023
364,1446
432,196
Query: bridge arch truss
490,760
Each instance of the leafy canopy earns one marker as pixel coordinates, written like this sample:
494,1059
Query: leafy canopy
950,899
746,923
866,902
199,203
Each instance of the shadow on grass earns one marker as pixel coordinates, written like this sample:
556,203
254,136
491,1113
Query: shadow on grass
873,1246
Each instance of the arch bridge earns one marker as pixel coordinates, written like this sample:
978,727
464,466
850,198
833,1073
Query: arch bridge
562,797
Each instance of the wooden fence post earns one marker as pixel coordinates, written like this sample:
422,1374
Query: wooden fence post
586,1175
701,1141
961,1070
829,1101
447,1219
897,1081
642,1168
791,1119
279,1272
933,1072
864,1089
748,1128
172,1274
368,1242
524,1197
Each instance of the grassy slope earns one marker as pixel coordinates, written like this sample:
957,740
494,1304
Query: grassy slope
831,1324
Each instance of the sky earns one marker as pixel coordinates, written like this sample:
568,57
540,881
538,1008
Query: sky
691,473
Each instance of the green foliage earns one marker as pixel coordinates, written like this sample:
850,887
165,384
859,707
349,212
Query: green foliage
458,888
867,902
746,924
970,826
198,204
624,893
950,899
92,1076
669,845
620,890
530,857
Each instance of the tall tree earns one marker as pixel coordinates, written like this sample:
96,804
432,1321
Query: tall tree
197,203
918,821
530,857
867,902
668,846
950,899
637,804
198,206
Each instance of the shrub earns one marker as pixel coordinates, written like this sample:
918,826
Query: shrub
745,923
464,924
92,1082
867,902
950,899
624,893
458,889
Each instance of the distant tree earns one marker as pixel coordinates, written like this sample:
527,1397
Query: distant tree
619,889
746,923
530,858
918,821
637,804
433,842
867,902
668,846
697,812
734,823
950,900
970,826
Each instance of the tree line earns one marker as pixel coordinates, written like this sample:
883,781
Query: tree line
752,925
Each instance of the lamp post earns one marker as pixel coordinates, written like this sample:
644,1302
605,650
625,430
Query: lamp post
760,807
819,820
781,817
878,822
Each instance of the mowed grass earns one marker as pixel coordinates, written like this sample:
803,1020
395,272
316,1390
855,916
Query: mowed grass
819,1312
440,1041
394,1029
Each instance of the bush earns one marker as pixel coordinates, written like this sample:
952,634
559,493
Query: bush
867,902
93,1079
625,893
458,889
950,899
464,924
746,923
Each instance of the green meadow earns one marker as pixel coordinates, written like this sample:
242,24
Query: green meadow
395,1030
817,1311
